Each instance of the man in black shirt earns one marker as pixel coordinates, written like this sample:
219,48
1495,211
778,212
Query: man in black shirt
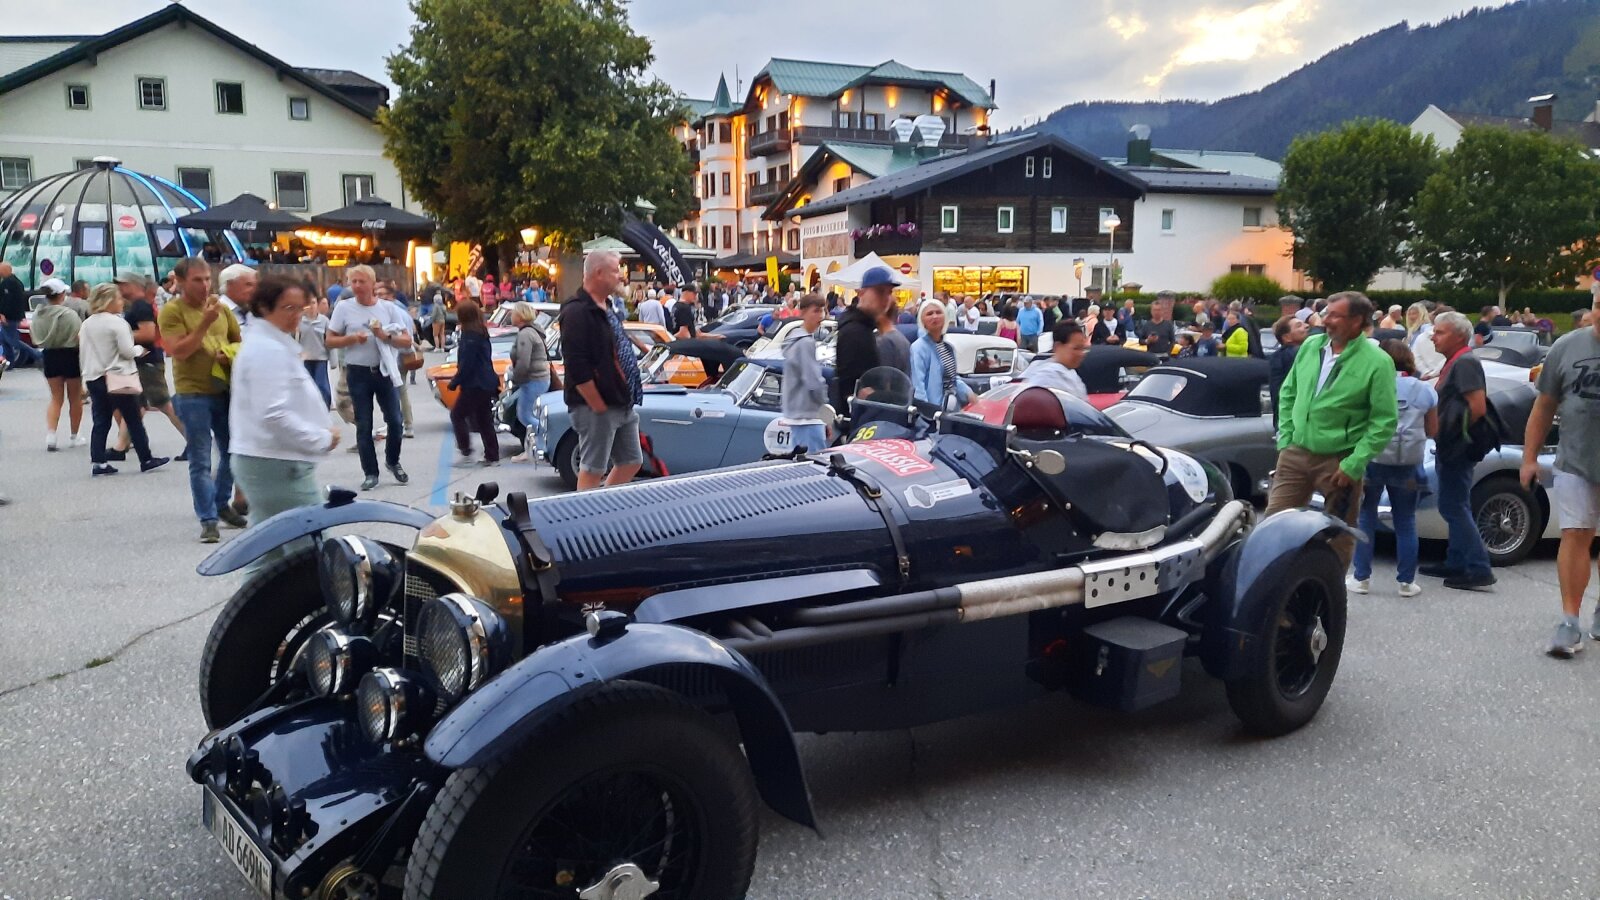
856,347
1463,401
13,311
680,315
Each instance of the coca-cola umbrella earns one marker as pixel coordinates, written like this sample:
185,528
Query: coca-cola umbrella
244,214
375,216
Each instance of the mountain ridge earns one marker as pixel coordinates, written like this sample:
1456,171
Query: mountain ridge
1517,51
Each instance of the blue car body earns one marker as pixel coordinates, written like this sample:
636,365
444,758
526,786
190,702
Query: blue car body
683,429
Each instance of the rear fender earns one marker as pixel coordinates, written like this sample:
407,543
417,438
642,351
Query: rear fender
1240,583
294,524
509,708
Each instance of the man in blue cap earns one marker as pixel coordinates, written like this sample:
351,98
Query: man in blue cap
857,344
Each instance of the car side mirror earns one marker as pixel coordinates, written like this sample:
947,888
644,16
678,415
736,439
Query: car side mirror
829,415
1050,462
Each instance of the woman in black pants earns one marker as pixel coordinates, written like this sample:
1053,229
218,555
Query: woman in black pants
476,384
105,345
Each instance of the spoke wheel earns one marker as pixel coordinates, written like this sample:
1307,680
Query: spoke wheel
258,635
1508,518
1301,639
1296,611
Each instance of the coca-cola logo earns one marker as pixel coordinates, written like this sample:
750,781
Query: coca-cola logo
127,222
28,220
374,224
242,225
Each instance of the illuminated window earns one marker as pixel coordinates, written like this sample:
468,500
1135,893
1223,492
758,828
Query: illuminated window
949,218
1006,219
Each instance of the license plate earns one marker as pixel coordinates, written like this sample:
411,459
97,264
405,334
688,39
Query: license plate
236,844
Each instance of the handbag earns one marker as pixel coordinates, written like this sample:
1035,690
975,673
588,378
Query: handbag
121,383
410,362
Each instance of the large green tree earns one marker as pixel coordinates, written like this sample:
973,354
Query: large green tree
519,113
1509,209
1347,195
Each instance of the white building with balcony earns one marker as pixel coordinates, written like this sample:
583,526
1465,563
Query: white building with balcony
177,96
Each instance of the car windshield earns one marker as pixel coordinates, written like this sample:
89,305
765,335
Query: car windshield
499,347
1159,386
1517,339
741,314
742,378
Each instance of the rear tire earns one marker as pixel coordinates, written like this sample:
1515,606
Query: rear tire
1289,677
257,634
1510,519
627,773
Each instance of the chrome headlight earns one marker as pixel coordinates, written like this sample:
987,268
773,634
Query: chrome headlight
461,641
388,705
334,660
358,575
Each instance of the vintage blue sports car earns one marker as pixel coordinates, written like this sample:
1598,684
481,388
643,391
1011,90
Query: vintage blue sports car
590,696
686,429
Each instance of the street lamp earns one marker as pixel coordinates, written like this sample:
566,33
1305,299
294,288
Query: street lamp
1077,270
1112,223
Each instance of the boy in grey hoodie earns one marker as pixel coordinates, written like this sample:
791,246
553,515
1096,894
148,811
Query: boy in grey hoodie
804,391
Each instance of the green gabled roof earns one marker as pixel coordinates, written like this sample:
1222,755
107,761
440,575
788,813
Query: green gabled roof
720,105
820,79
876,160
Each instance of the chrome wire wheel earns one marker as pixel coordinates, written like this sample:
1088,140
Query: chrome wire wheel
1504,521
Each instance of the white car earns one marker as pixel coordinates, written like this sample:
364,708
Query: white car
982,360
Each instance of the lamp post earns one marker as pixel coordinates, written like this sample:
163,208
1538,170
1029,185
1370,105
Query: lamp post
1112,222
1077,270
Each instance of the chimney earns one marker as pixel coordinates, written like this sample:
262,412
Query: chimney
1544,110
1139,146
991,90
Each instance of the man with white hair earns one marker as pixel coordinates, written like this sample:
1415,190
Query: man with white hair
372,334
1463,403
238,283
603,387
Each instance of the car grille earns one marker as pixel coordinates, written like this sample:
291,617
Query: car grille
423,583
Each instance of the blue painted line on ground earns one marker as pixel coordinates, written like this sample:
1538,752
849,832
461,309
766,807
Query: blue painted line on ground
441,478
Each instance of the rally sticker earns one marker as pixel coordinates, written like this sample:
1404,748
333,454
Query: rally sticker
896,455
778,438
926,496
1190,474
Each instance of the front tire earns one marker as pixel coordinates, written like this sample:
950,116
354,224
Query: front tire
1301,641
1509,519
256,636
628,775
566,460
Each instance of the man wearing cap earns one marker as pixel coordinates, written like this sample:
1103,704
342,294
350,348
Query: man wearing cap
13,310
856,347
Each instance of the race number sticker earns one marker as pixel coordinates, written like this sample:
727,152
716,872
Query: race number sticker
1190,474
778,438
898,456
926,496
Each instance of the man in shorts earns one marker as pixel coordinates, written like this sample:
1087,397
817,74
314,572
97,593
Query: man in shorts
1570,385
603,387
139,309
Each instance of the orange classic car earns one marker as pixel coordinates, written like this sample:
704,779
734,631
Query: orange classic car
644,335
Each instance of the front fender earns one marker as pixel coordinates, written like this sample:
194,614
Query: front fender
294,524
511,705
1241,578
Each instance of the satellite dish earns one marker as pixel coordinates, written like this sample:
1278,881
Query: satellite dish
930,128
903,129
1140,132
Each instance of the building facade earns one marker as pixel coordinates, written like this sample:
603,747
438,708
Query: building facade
176,96
748,152
1035,214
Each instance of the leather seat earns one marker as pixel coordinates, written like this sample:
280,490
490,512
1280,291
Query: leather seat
1037,414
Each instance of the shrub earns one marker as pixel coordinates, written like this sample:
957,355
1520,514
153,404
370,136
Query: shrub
1243,286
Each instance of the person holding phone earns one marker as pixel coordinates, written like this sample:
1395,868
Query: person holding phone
201,337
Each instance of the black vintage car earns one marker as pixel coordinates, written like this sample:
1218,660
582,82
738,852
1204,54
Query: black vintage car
587,695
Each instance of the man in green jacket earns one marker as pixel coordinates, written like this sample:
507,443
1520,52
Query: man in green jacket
1336,411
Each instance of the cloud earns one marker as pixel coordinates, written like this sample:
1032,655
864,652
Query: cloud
1128,28
1238,36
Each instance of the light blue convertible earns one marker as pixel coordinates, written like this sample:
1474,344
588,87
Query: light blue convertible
686,430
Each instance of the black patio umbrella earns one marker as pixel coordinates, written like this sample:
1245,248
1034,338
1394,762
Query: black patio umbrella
244,213
375,216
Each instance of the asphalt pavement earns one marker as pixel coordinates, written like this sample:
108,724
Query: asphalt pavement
1452,759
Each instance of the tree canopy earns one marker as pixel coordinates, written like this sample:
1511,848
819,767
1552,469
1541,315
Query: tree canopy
1508,209
1347,195
533,113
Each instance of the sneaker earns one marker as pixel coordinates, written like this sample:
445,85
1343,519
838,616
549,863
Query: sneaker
410,433
1469,582
116,455
1567,642
50,442
1410,589
103,469
230,518
209,533
184,456
490,462
1439,570
78,440
154,462
1358,585
463,460
1594,629
520,458
399,473
370,482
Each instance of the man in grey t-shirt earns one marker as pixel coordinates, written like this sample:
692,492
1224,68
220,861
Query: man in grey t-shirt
368,331
1570,385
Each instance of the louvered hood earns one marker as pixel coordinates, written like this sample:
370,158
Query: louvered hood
767,518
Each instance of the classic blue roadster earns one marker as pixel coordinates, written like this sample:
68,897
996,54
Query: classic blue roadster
687,429
587,696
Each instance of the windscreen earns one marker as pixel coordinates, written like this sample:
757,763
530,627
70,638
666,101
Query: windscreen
884,384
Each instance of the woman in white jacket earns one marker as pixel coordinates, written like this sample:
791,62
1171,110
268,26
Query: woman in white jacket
105,345
280,422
